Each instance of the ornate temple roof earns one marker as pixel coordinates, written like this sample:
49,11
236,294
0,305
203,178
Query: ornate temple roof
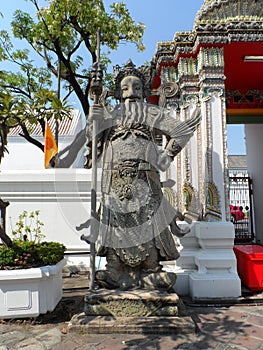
218,22
236,26
243,13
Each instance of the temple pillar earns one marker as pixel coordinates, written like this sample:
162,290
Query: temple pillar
207,266
214,148
191,187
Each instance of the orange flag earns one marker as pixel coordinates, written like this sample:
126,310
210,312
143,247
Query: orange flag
50,146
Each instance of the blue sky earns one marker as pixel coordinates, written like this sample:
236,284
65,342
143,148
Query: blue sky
162,19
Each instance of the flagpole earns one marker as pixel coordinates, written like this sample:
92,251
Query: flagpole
96,89
58,96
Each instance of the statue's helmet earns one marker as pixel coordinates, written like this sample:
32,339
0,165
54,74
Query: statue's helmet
144,73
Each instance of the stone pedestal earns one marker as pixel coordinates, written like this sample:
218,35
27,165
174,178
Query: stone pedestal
113,311
137,303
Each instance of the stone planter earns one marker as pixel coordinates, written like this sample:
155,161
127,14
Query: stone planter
30,292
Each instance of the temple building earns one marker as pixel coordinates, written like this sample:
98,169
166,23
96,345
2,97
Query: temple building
218,66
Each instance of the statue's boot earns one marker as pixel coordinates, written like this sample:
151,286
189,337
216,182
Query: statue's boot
103,280
158,280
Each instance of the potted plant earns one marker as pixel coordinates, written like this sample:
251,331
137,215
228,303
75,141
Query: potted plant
30,270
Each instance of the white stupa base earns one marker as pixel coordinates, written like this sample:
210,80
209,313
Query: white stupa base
203,286
207,266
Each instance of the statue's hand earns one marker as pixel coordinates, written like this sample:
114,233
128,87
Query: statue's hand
85,238
96,112
164,160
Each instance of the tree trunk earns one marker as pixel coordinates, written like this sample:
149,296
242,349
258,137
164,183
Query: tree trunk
5,238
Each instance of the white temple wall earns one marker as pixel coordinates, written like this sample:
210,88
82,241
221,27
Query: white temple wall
24,155
254,146
63,198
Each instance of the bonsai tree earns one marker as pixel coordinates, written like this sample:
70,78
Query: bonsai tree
28,248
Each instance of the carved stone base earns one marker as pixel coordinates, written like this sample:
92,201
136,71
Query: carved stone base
137,311
131,325
138,303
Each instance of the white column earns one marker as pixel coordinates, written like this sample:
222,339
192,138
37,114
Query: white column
254,146
218,170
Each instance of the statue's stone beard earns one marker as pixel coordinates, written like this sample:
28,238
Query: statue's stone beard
134,112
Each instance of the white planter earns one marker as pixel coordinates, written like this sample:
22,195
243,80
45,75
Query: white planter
30,292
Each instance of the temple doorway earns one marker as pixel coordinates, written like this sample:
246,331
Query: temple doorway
240,185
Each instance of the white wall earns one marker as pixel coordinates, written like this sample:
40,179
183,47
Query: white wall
61,195
23,155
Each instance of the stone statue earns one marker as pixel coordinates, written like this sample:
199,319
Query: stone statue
135,221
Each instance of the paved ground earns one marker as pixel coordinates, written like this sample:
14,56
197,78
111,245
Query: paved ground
235,326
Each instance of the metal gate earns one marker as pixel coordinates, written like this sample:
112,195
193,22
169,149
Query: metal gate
241,208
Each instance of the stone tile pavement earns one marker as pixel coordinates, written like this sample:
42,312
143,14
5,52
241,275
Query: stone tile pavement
235,325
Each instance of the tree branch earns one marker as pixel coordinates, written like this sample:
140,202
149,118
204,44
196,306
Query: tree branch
85,37
5,238
30,139
17,90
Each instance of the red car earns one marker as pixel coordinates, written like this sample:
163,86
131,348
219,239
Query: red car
236,213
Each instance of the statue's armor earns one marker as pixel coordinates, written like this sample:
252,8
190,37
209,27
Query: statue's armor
134,214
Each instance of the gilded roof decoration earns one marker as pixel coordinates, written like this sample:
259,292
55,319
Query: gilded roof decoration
187,66
212,57
248,13
217,22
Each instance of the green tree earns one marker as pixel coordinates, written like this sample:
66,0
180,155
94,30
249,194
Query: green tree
26,95
64,34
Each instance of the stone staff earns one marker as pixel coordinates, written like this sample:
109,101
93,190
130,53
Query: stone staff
95,93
